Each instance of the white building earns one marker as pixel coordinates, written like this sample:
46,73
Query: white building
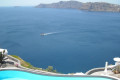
4,52
117,60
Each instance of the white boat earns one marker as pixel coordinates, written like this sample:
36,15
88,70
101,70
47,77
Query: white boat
43,34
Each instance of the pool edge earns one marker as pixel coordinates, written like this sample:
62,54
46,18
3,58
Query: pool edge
61,75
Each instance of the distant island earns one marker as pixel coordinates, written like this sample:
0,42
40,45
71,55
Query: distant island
89,6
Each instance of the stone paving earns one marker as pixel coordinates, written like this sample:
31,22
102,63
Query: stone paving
103,73
109,73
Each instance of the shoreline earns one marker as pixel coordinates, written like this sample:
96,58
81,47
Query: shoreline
25,64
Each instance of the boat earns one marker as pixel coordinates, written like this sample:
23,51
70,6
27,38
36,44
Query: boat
43,34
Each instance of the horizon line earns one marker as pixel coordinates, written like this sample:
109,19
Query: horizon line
57,2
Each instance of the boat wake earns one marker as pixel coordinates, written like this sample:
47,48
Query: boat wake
45,34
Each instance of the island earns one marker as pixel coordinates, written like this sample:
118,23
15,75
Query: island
89,6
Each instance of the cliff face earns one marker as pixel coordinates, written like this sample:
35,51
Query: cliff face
100,7
62,4
96,6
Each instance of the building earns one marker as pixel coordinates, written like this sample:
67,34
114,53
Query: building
117,60
3,53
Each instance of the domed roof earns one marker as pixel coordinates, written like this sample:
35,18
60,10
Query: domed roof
117,59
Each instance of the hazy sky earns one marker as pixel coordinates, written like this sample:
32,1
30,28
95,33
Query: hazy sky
36,2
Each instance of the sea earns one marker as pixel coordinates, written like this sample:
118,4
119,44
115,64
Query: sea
69,40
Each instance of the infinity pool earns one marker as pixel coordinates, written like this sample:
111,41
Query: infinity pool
21,75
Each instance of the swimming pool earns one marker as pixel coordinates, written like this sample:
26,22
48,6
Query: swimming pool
22,75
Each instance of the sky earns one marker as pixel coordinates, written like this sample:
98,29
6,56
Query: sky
36,2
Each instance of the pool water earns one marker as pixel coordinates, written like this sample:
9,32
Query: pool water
21,75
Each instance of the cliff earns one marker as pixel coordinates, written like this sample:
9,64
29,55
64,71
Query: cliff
96,6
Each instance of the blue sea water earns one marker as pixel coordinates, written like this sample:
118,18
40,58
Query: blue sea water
76,41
